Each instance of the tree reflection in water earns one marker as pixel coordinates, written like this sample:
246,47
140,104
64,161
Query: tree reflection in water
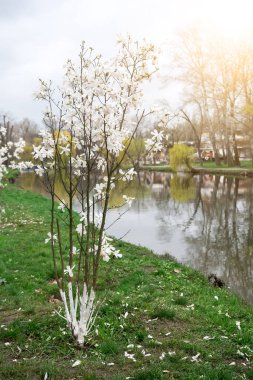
205,222
217,233
222,242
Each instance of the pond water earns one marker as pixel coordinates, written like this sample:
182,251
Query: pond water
205,222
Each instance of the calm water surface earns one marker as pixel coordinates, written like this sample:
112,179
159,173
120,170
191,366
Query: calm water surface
205,222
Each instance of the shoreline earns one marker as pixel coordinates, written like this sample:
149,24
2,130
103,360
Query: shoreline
224,171
201,170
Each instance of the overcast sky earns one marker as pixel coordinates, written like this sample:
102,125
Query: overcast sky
38,36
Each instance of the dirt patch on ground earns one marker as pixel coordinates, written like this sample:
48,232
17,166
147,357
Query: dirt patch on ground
8,316
149,269
163,329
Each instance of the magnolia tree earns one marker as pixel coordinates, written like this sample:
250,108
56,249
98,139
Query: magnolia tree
90,124
9,156
9,152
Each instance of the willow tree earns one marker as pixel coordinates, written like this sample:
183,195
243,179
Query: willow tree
181,155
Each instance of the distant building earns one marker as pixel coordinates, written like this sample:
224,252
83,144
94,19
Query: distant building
244,146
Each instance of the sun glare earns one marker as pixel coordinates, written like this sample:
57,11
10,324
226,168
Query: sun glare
229,18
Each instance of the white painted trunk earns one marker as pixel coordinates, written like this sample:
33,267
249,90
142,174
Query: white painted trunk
79,312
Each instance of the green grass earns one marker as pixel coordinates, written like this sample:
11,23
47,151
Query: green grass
12,174
159,168
181,301
211,165
150,309
163,313
245,164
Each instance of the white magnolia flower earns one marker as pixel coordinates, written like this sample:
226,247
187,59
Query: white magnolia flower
157,135
128,200
130,356
75,251
65,149
238,325
98,218
50,237
127,175
62,206
80,228
39,171
108,250
117,254
99,190
41,153
69,270
83,217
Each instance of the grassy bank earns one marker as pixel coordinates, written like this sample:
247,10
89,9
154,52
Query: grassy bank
246,168
245,164
159,168
209,167
169,320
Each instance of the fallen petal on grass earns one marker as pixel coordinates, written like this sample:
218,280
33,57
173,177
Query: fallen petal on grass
76,363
